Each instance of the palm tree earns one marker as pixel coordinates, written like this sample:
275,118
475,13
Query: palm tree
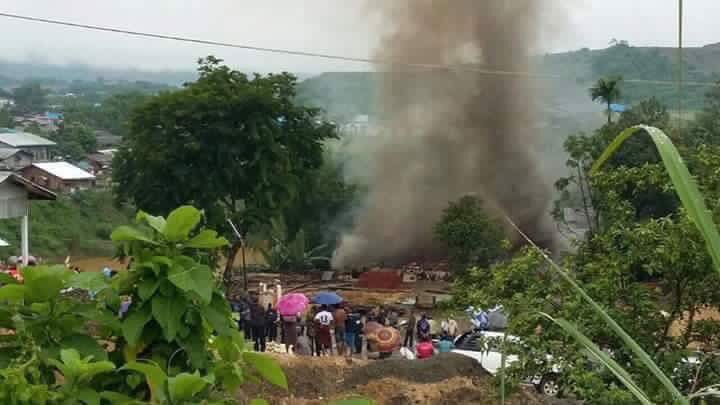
607,91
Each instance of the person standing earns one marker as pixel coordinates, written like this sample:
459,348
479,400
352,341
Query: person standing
259,325
452,328
324,320
289,328
340,316
410,331
423,328
311,330
353,327
271,319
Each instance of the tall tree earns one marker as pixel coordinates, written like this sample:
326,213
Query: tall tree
607,91
236,146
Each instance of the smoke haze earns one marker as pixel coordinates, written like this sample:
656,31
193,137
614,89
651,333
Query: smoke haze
453,132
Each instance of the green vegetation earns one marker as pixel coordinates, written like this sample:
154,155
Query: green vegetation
470,235
177,343
607,91
645,263
237,147
77,225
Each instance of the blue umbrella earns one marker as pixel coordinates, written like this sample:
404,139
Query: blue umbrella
327,298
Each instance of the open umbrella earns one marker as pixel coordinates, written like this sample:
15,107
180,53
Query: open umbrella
372,327
387,339
292,304
327,298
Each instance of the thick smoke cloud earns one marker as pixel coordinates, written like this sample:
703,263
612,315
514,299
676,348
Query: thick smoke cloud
454,132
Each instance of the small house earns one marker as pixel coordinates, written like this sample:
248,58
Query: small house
59,176
100,164
16,193
12,159
37,146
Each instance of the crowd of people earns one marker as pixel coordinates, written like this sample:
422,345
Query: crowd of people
324,330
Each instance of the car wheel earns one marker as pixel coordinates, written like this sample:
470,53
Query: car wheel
550,385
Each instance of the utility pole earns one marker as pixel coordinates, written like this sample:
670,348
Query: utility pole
680,64
242,253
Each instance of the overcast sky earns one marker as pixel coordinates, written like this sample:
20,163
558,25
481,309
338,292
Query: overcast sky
326,26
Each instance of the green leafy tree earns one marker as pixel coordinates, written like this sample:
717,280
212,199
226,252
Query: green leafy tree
236,146
706,127
471,236
74,141
6,118
177,344
607,91
31,97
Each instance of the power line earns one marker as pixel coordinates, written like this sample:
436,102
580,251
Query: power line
373,61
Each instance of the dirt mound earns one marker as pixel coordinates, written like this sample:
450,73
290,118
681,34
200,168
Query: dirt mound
445,379
433,370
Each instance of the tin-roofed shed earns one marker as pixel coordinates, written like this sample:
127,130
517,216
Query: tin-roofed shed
16,192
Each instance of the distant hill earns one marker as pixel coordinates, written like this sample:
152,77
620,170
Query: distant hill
344,95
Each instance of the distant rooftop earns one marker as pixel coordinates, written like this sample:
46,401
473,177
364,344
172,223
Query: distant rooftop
64,171
8,152
18,139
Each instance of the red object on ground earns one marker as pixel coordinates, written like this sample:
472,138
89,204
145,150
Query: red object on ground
424,350
389,280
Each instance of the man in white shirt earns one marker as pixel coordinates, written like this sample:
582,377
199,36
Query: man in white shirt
324,320
324,317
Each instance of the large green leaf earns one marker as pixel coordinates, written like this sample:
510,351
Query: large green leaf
126,233
180,222
44,283
218,315
157,223
117,398
85,346
133,325
207,239
147,288
267,367
155,378
184,386
684,184
12,293
191,276
90,281
604,358
168,312
89,396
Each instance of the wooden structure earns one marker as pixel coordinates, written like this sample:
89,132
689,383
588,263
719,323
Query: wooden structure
16,192
59,176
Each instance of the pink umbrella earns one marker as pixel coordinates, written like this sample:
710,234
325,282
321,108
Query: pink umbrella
292,304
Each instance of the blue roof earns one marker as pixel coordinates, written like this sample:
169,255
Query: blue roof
618,108
53,116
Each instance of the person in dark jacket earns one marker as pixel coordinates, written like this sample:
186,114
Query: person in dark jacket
271,317
259,325
410,331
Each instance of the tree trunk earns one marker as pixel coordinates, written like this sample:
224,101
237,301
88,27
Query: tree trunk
227,274
609,111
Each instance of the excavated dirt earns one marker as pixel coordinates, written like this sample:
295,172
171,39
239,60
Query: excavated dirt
444,379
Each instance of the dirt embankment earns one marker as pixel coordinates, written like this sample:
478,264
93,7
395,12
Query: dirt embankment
445,379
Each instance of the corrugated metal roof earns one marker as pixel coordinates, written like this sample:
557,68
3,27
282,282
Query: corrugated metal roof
19,139
7,152
64,171
36,191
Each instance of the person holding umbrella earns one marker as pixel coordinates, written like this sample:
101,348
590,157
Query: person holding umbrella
289,307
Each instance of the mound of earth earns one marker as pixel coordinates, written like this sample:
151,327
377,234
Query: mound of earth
444,379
